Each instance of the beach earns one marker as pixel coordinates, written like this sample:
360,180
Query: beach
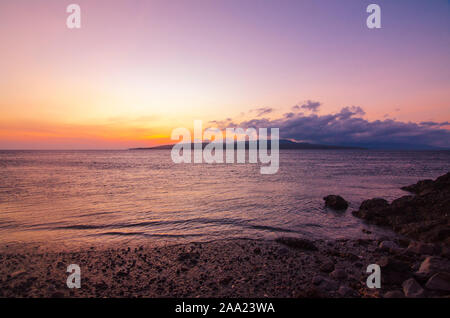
411,249
224,268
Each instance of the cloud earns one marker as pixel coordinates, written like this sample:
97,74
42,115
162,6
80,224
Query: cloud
222,123
289,115
308,105
435,124
262,111
348,128
350,111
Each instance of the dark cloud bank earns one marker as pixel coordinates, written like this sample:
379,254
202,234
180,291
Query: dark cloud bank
347,128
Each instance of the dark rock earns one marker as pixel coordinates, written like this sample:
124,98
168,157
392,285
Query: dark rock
394,270
297,243
421,248
225,281
439,281
327,267
101,286
345,291
190,259
364,242
336,202
373,210
389,246
338,274
17,274
432,265
412,288
445,252
329,285
422,217
317,280
394,294
376,203
311,292
283,251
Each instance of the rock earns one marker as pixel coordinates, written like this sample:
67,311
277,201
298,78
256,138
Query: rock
311,292
190,259
374,210
345,291
394,294
327,267
329,285
338,274
283,251
445,251
317,280
297,243
412,288
335,202
18,273
393,270
432,265
419,187
439,281
389,246
403,242
324,284
101,286
226,281
423,217
376,203
421,248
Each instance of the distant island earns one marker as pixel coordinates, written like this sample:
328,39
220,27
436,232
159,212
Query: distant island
283,144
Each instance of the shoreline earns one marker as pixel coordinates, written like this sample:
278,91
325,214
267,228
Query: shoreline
225,268
418,266
222,268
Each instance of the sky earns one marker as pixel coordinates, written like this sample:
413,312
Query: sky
138,69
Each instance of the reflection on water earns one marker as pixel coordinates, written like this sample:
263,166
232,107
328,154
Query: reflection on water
99,197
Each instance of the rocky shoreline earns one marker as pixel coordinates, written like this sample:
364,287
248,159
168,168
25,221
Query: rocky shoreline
416,263
424,216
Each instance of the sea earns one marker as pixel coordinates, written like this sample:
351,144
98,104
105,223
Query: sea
123,197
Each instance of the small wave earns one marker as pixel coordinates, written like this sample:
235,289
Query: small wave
241,223
145,234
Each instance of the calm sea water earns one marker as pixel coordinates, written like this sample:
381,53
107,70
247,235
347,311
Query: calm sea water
104,197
